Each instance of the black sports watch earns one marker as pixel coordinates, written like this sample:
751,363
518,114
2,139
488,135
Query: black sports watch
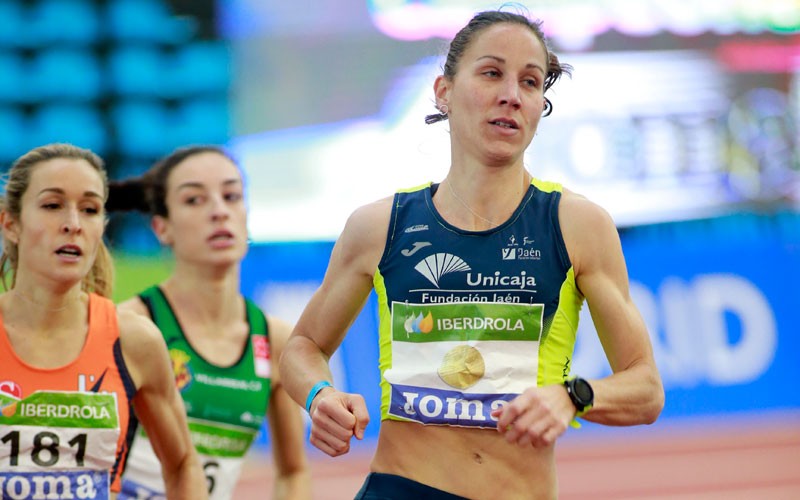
580,392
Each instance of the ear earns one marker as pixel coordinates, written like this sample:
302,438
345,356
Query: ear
160,227
10,227
441,89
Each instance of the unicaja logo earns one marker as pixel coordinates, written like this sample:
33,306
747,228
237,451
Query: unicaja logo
437,265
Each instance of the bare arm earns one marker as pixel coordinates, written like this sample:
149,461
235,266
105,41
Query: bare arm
336,416
633,394
159,406
293,475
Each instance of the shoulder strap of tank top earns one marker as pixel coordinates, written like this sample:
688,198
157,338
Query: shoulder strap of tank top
256,319
161,312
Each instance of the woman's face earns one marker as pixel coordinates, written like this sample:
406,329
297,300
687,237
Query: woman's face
207,221
496,97
61,221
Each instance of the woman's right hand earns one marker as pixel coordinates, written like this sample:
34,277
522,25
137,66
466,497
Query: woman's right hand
335,418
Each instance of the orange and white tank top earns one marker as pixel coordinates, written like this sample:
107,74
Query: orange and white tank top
64,431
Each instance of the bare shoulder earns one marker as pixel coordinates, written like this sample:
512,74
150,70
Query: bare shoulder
371,220
579,209
586,227
364,235
140,339
134,304
580,216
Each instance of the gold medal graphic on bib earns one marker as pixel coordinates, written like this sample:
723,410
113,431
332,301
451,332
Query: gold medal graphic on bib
462,367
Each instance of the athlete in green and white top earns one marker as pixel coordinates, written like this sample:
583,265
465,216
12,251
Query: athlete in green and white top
224,405
222,346
477,322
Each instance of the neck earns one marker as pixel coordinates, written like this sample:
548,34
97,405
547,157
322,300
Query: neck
43,314
205,293
46,301
483,199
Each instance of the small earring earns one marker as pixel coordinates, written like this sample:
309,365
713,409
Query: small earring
441,115
548,107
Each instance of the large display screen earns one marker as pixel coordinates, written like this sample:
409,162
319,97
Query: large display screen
675,110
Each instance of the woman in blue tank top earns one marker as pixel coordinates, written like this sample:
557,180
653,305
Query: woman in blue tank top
480,279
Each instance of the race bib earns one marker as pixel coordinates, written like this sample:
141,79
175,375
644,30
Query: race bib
221,450
57,445
453,364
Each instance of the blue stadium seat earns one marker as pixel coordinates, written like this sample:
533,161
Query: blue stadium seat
204,121
74,123
12,77
201,68
138,71
62,21
142,128
12,140
12,23
65,73
146,21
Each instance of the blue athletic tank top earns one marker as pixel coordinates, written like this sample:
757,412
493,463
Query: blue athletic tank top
470,319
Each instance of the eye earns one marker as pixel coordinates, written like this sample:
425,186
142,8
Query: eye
52,205
233,196
531,82
491,73
91,210
193,200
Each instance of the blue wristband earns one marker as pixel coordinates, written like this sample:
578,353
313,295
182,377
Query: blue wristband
314,391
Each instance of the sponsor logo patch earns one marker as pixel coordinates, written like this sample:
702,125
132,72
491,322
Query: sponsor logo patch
415,228
61,484
433,267
180,368
418,245
10,388
261,356
431,406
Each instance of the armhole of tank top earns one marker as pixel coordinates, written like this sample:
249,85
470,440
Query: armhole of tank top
147,300
124,374
392,230
124,454
121,462
560,243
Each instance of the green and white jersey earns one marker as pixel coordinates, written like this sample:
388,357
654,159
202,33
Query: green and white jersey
225,405
470,319
56,444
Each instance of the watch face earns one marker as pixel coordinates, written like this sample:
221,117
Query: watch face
583,390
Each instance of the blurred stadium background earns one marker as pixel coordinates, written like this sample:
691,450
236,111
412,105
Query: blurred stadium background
682,118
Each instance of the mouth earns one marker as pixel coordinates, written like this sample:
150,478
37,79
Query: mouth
69,251
505,123
221,235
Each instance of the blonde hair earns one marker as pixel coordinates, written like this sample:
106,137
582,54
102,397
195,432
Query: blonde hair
100,278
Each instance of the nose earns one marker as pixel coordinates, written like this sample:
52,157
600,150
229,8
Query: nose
219,209
510,95
72,222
